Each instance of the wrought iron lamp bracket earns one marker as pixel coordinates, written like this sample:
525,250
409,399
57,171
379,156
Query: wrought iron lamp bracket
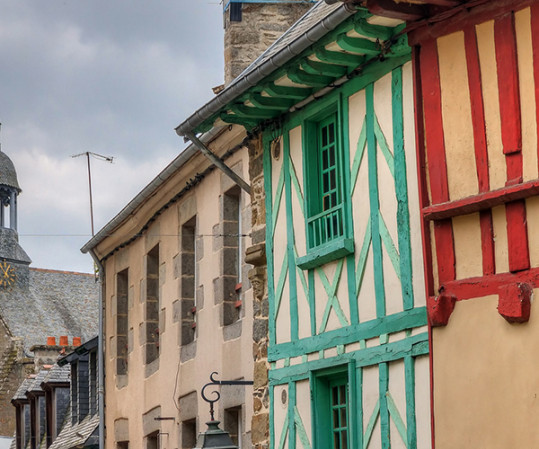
216,393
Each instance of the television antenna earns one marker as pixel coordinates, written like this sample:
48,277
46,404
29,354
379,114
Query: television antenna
101,158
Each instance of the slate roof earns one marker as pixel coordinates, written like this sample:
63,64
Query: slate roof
83,434
8,175
58,375
35,386
54,303
23,387
317,21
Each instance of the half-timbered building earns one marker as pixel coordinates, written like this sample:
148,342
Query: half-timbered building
334,188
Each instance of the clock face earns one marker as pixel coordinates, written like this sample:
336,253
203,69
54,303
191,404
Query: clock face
7,275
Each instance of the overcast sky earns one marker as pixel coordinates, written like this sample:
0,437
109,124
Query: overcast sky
110,77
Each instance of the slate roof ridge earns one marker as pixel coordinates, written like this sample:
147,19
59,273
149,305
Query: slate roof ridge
49,270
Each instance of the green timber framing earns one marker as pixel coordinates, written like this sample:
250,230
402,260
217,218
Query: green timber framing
316,69
346,60
290,362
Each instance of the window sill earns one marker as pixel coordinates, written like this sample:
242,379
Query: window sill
326,253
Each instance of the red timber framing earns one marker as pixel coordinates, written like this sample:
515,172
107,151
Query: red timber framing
514,287
438,210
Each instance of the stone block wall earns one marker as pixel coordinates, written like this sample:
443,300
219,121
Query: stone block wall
261,24
256,256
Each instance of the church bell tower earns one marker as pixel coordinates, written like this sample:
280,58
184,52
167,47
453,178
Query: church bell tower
14,262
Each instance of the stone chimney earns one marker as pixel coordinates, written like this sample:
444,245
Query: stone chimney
250,28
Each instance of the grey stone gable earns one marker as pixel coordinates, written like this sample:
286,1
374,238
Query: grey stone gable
80,435
311,18
54,303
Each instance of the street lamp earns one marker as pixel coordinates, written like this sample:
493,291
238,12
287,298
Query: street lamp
214,437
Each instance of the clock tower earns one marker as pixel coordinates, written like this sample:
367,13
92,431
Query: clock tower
14,262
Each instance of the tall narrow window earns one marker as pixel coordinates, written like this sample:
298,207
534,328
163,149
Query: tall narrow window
152,305
74,394
188,281
122,319
327,208
93,383
231,260
339,414
232,424
326,212
152,441
189,434
332,410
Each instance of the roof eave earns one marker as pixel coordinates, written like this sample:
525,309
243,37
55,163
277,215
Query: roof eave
252,77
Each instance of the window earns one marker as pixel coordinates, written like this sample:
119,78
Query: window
152,305
122,318
152,441
74,394
188,281
332,409
93,382
327,208
189,434
232,424
231,254
339,414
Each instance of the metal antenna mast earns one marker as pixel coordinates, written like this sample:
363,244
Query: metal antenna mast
101,158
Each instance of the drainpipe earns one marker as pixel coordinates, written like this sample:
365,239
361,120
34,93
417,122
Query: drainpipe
218,162
100,365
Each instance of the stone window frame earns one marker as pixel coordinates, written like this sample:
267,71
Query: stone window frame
188,280
233,423
231,260
122,321
152,305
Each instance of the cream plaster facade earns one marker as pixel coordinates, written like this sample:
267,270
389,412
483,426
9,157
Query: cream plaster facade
169,387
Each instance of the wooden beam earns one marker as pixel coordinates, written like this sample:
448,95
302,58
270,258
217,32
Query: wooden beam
482,201
449,3
402,11
237,120
301,77
295,93
251,113
361,26
358,45
278,104
321,68
479,287
337,57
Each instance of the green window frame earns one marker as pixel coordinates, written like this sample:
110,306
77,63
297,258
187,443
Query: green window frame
332,402
339,407
326,204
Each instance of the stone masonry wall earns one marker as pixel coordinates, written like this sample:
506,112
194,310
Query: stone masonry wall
261,25
256,255
13,370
